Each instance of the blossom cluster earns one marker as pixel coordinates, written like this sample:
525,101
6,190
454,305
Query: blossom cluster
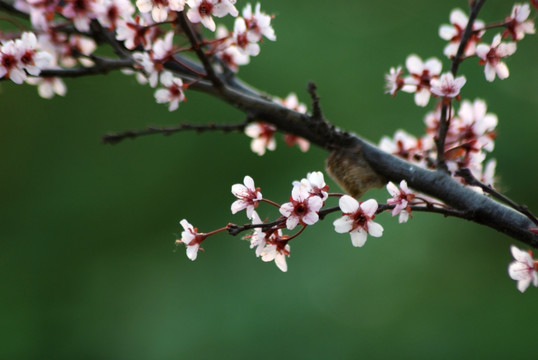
263,134
463,134
524,269
308,196
139,29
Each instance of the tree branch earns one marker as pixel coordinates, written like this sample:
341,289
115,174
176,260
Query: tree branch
114,138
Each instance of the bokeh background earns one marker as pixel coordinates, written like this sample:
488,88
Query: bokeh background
87,257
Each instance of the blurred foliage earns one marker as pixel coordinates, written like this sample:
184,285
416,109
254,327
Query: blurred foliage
88,263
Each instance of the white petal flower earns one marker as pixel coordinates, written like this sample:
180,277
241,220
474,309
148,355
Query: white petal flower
248,196
523,269
357,220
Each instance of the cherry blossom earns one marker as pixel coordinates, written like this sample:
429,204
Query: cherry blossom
41,11
47,87
150,68
394,81
248,196
241,40
524,269
276,253
191,238
421,75
292,102
136,32
357,220
112,12
10,64
258,24
446,86
257,239
315,184
517,24
159,8
202,11
263,137
400,198
491,57
173,91
473,122
454,33
80,12
303,207
228,52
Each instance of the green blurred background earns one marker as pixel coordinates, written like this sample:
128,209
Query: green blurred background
87,257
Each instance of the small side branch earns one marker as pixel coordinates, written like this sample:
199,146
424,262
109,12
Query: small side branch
471,180
444,122
196,45
114,138
102,66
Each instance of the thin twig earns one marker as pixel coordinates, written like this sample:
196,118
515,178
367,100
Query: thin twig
444,121
114,138
196,45
471,180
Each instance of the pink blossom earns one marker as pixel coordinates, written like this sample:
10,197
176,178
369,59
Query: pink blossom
315,184
421,75
10,64
276,248
81,12
228,52
203,10
110,13
394,81
135,32
47,87
357,220
303,207
491,57
173,91
191,238
454,33
517,24
446,86
524,269
258,238
400,198
263,135
241,40
258,24
248,196
159,8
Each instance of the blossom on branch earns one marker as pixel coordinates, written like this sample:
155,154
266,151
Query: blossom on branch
258,24
357,220
524,269
303,207
446,86
248,196
421,74
203,10
454,32
400,199
263,137
517,24
394,80
173,91
191,238
159,8
491,55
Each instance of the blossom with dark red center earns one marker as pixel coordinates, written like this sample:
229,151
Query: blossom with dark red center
303,207
263,136
517,24
248,196
454,32
204,10
357,220
421,74
491,56
191,238
524,269
400,199
172,92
